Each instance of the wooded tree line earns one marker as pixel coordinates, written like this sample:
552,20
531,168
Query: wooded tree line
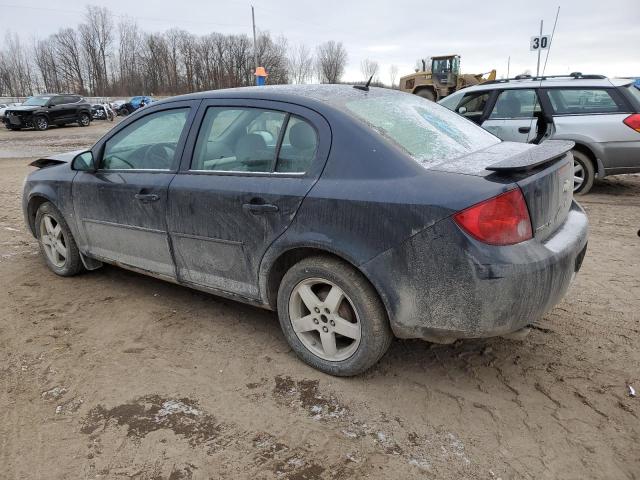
103,58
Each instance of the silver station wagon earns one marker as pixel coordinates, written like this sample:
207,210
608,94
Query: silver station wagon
601,115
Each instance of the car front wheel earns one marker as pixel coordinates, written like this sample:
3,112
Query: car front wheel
84,120
332,317
583,173
57,245
41,123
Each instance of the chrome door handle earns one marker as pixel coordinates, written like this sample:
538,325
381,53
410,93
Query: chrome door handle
147,197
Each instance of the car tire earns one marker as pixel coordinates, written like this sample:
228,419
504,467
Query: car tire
54,237
359,314
582,169
40,123
427,94
84,120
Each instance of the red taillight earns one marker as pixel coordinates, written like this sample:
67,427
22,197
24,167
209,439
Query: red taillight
633,121
501,220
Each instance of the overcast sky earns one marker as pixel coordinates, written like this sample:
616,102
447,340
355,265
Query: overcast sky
592,36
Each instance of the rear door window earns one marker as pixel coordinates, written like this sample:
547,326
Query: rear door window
520,103
584,101
238,139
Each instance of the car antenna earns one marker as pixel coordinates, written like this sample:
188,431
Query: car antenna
365,87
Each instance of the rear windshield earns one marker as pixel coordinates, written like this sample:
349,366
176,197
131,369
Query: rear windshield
431,134
634,88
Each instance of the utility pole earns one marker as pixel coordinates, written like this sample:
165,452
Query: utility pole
539,49
255,50
508,65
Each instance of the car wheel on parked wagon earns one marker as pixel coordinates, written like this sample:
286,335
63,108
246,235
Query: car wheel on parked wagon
583,173
84,120
40,123
332,317
57,245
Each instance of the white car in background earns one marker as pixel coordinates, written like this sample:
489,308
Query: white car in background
601,115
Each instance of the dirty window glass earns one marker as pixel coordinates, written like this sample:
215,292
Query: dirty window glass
430,133
298,148
147,144
235,139
578,101
521,103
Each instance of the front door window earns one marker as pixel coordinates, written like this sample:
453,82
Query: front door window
147,144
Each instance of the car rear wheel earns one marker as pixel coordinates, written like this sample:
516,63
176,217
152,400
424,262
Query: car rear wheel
332,317
84,120
40,123
427,93
57,245
583,173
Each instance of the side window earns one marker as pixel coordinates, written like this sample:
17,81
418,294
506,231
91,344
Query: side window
147,144
578,101
71,99
236,139
520,103
298,148
57,101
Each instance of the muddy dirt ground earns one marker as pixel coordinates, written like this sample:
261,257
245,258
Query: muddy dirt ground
114,375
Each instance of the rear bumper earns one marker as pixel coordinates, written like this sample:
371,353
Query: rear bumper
442,284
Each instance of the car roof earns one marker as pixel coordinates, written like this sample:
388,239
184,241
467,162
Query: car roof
552,82
331,96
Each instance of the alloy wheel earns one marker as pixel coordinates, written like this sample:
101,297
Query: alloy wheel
42,123
578,175
324,319
53,241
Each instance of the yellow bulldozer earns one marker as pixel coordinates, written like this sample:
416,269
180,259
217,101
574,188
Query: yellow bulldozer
443,78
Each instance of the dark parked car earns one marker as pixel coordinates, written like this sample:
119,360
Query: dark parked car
134,104
42,111
357,215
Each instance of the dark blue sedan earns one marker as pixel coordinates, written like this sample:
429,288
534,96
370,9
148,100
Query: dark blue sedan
357,214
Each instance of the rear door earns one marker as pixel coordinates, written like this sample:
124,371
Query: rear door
121,208
595,115
244,175
514,116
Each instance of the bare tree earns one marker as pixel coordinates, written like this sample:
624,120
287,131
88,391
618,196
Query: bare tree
69,60
331,60
300,61
129,57
16,69
45,59
96,38
369,68
393,74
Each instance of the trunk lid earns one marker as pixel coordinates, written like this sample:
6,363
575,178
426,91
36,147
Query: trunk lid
543,172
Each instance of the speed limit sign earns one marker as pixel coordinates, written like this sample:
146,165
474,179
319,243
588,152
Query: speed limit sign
540,43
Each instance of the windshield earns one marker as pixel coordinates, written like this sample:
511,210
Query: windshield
36,101
432,135
451,102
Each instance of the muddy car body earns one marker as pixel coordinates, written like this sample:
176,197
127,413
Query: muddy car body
376,213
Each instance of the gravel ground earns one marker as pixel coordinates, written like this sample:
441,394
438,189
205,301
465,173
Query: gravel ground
115,375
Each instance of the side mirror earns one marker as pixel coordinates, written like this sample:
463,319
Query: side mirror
462,110
84,162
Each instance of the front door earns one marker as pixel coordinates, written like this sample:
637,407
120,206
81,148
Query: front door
121,208
250,167
514,116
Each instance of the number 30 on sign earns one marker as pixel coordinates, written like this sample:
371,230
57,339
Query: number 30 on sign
540,43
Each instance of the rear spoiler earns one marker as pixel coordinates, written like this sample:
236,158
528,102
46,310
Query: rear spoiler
534,157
